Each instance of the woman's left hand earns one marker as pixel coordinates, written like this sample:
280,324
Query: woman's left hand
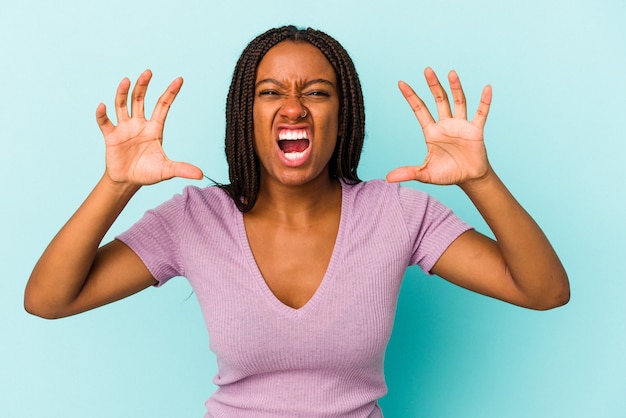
456,150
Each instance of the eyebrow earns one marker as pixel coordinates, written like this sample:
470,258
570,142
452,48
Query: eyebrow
307,84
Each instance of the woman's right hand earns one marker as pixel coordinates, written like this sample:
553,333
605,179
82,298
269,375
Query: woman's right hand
134,152
74,273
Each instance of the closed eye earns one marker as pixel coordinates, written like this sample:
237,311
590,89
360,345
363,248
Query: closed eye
268,93
318,93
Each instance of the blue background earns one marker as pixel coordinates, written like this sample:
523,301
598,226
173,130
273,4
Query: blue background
555,135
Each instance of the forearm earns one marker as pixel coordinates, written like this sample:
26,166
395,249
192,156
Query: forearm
529,258
63,268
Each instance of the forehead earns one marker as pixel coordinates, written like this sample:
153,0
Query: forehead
291,60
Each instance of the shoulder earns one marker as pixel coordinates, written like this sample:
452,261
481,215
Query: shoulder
381,199
382,192
381,202
366,189
192,197
194,205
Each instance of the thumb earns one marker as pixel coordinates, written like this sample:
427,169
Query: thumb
183,170
406,173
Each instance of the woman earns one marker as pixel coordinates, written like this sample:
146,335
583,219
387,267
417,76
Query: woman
296,263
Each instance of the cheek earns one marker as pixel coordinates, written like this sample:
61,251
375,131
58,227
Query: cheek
334,127
263,118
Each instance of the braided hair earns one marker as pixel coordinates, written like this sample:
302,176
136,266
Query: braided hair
243,164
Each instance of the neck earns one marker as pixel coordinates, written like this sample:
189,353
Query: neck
294,204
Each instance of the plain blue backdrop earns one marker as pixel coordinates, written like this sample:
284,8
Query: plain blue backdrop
555,135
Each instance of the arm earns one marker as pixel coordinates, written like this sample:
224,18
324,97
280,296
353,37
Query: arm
74,274
520,266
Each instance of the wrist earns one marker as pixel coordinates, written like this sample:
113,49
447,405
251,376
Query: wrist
486,181
122,189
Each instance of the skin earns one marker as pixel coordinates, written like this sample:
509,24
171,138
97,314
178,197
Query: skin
298,206
295,79
74,275
520,266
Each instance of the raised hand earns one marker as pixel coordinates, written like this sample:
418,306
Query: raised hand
456,151
134,152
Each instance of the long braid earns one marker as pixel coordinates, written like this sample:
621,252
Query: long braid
349,149
244,166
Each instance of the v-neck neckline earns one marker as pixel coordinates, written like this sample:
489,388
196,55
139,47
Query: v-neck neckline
327,279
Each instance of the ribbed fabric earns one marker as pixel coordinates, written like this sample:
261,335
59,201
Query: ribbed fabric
326,358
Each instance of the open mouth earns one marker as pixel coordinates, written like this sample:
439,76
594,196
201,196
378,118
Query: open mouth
293,142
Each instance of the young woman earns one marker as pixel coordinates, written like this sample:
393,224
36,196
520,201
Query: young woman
296,263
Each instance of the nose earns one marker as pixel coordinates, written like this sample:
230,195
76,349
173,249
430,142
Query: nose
292,108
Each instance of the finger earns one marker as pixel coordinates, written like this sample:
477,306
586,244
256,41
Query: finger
121,99
165,101
483,107
406,173
439,93
139,94
104,123
417,105
184,170
460,106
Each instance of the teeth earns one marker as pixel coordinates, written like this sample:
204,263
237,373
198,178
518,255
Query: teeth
292,134
293,155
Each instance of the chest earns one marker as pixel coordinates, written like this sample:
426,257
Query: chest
342,281
293,260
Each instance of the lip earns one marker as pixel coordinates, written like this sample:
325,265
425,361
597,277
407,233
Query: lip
304,155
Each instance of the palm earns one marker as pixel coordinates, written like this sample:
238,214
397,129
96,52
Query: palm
134,153
456,151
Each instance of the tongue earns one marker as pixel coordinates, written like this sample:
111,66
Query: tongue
297,145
